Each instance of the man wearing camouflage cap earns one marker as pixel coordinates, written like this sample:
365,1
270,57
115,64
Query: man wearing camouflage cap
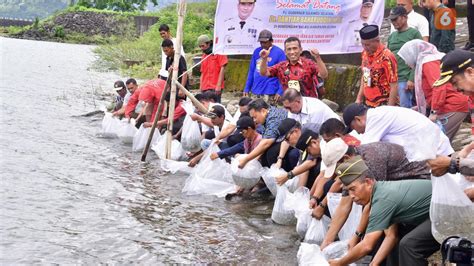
399,209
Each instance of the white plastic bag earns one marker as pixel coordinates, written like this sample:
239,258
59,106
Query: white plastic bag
347,230
423,145
191,135
292,184
316,232
127,131
141,137
299,203
281,214
110,126
269,177
451,211
336,250
248,176
310,254
210,177
175,166
177,152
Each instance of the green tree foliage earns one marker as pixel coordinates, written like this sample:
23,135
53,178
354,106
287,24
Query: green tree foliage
116,5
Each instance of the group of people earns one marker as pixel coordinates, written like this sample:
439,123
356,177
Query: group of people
380,154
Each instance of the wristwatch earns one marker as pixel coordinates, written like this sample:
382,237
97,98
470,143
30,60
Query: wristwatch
290,175
359,234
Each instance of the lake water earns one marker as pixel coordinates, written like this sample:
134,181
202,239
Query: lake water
68,196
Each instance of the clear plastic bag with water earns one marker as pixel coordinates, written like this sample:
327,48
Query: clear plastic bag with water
127,131
347,230
177,152
141,137
248,176
191,135
310,254
451,211
281,214
316,231
110,126
299,203
269,177
336,250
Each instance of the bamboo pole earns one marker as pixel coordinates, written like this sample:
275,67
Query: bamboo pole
177,57
157,118
197,103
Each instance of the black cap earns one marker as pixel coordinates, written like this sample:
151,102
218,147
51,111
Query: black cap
453,63
216,111
245,122
119,85
396,12
285,127
367,2
306,136
265,36
351,111
369,32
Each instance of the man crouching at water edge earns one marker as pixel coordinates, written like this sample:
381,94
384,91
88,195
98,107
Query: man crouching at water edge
270,118
399,210
246,127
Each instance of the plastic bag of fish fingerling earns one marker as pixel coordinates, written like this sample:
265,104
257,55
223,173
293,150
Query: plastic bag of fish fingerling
293,184
217,169
248,176
175,166
451,211
110,126
127,131
177,152
316,232
269,177
141,137
336,250
347,230
299,202
281,214
191,135
310,254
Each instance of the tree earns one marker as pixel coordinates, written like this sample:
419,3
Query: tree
117,5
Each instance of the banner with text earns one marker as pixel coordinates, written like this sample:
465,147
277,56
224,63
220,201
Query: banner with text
331,26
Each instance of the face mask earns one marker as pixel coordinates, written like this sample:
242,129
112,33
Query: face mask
208,50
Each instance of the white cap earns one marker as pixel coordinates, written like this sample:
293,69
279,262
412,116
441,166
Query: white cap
331,153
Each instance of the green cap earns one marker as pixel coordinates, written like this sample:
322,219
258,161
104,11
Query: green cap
352,169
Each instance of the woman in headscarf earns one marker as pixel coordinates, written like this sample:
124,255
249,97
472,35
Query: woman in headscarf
444,105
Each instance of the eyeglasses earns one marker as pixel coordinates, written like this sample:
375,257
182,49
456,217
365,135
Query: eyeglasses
287,137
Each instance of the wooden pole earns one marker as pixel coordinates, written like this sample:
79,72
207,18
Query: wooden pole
177,56
157,118
197,103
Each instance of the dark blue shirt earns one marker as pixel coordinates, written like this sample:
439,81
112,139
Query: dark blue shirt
272,122
261,85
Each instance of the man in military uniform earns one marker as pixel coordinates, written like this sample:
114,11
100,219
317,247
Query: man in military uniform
240,33
352,41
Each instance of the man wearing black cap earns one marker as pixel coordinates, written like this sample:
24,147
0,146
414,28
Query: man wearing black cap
121,99
402,34
246,127
351,42
402,126
378,84
290,132
457,67
257,84
400,210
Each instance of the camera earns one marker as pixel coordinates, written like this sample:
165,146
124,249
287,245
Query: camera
457,250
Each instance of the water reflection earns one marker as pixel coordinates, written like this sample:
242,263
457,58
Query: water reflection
69,197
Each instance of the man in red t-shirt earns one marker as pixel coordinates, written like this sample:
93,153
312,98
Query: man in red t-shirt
212,67
379,82
296,72
131,110
151,94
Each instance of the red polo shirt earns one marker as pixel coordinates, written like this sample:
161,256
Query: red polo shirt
210,70
304,71
383,70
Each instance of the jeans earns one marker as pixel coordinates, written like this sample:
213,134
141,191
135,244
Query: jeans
205,143
406,96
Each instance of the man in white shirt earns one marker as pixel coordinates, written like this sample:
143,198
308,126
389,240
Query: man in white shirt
306,109
420,138
415,20
166,34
